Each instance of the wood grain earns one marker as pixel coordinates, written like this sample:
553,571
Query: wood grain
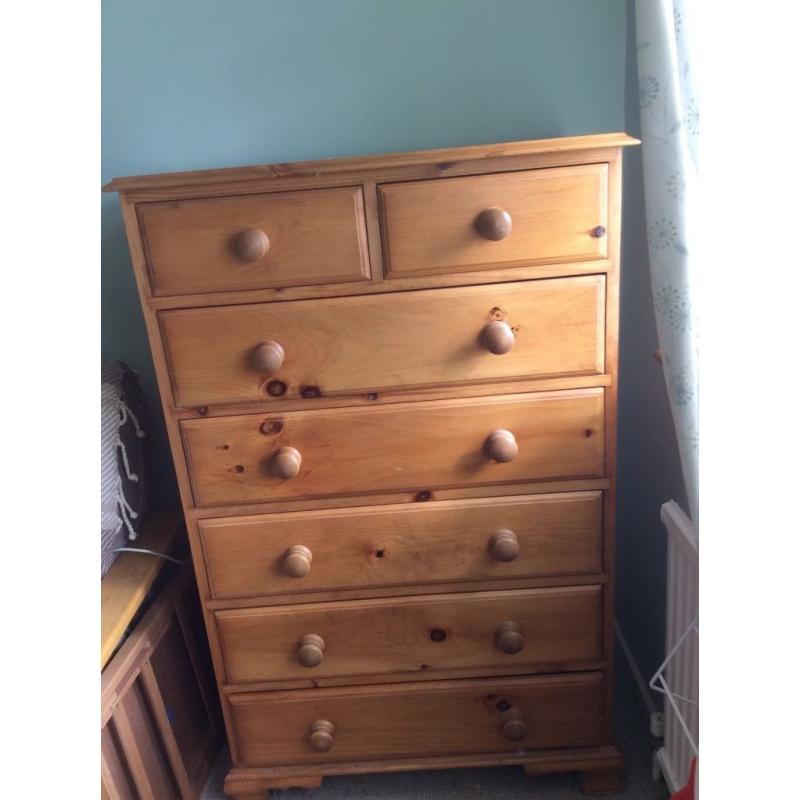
419,446
314,237
358,345
430,227
418,719
414,636
439,543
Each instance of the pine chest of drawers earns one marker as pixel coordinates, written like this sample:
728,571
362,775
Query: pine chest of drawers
390,391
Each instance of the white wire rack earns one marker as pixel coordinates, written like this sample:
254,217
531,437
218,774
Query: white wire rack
677,677
677,701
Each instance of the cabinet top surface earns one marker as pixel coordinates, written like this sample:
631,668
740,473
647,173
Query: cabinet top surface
333,166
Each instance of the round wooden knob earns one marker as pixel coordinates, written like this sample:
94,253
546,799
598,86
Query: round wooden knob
509,639
504,545
251,244
502,446
497,337
310,651
321,735
297,561
514,726
268,357
286,463
494,224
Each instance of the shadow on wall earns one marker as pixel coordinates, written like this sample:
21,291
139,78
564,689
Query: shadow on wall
649,470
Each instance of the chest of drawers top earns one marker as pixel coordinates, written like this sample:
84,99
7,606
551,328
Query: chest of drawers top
375,223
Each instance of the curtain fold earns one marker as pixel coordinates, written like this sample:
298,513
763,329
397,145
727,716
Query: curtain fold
670,117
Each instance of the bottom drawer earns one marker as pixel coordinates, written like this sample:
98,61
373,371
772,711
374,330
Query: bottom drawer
311,726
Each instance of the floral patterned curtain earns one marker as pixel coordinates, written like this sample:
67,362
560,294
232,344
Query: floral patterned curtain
670,117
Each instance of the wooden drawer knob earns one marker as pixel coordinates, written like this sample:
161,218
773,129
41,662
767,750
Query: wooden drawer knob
494,224
251,244
501,446
268,357
514,726
310,651
497,337
286,463
509,639
297,561
504,545
321,735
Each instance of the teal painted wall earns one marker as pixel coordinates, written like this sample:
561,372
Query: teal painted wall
194,84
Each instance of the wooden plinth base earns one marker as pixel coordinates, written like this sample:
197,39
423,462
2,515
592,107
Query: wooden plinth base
600,768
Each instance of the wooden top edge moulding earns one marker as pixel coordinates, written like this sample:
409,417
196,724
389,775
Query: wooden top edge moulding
332,166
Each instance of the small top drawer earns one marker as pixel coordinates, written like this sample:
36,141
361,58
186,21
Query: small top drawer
512,219
255,241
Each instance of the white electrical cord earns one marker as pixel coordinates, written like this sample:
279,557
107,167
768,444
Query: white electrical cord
149,552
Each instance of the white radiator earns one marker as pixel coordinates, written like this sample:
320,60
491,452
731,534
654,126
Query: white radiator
677,678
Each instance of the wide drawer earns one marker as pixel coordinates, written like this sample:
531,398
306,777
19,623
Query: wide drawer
512,219
365,344
520,630
422,543
400,447
418,719
255,241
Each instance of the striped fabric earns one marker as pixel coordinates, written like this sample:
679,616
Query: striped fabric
121,501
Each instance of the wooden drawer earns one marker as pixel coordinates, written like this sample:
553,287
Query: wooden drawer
255,241
556,215
350,345
400,545
419,719
519,630
399,447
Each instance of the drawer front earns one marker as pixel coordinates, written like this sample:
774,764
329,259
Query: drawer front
363,344
520,630
420,543
418,719
255,241
400,447
453,224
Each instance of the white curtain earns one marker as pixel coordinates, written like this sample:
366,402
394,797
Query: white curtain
670,117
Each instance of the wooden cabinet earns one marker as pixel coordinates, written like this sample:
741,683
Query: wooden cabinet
390,390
